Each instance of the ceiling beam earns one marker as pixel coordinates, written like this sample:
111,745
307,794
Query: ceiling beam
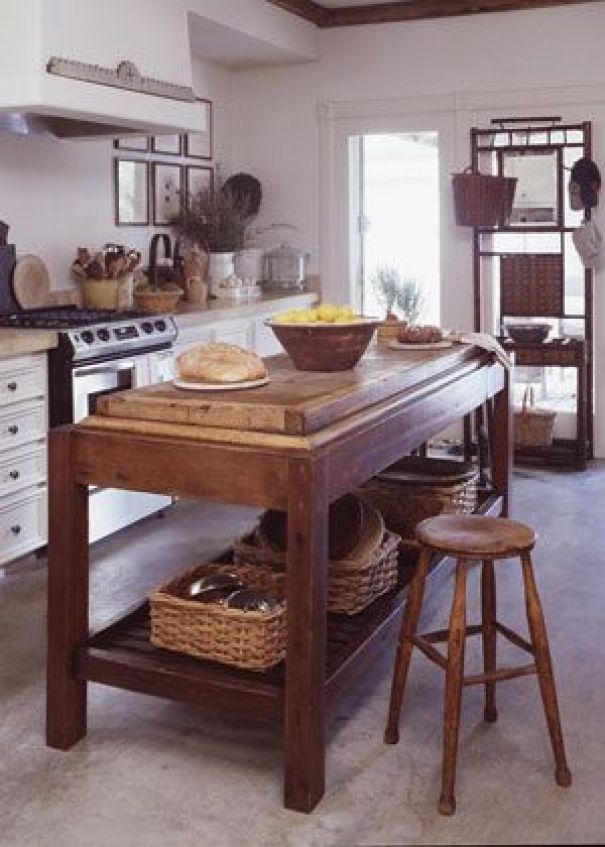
304,9
412,10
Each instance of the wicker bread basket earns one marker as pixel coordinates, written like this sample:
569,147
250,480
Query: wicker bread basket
368,571
533,427
416,488
252,640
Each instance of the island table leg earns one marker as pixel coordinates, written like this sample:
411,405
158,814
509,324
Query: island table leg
67,594
304,706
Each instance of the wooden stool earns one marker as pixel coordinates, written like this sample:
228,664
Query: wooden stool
474,537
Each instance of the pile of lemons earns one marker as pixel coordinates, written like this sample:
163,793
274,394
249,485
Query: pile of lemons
325,313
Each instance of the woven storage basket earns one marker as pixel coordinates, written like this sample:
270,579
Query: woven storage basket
416,488
531,285
482,199
355,581
533,427
389,331
252,640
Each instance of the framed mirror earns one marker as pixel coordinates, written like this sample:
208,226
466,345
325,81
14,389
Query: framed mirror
537,196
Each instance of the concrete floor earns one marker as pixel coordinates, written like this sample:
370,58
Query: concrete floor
155,773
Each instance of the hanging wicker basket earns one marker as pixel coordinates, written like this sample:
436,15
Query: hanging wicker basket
481,199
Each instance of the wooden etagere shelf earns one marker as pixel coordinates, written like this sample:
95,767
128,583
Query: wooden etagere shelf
531,278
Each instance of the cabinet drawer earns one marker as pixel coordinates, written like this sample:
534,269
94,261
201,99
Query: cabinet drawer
22,379
22,424
23,524
21,469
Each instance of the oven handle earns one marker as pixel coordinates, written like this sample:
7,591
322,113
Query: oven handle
108,368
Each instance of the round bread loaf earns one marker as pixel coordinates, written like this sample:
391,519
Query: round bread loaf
220,363
414,334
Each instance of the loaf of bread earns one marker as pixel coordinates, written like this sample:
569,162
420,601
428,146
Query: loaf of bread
220,363
412,334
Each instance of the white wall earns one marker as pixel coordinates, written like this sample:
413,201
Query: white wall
454,72
57,195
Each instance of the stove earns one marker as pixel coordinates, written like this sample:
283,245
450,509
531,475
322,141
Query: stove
86,334
100,351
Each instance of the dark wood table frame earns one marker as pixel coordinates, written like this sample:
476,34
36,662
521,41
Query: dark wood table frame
322,655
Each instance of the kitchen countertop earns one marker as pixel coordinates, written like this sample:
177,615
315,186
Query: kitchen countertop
16,342
190,314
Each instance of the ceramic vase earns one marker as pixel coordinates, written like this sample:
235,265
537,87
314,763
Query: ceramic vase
220,266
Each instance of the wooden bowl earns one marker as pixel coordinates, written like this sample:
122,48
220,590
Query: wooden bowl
157,302
325,347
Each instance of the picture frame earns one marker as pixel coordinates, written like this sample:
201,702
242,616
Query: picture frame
167,190
167,145
131,192
199,145
135,143
197,177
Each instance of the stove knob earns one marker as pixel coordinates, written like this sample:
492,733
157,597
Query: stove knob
147,327
87,336
103,334
160,326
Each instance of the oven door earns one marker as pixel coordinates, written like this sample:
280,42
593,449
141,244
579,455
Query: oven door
111,509
91,381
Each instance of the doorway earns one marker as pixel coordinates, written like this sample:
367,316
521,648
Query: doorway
395,223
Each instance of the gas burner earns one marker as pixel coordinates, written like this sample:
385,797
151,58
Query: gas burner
64,317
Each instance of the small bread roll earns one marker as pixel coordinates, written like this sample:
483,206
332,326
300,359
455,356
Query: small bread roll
220,363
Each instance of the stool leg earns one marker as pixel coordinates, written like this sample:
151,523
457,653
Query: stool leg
539,638
488,606
453,690
409,626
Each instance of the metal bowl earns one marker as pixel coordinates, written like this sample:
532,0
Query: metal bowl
214,581
252,601
528,333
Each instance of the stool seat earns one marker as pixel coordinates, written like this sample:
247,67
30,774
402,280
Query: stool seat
475,536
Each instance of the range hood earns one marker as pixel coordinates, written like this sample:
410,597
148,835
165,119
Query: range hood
81,69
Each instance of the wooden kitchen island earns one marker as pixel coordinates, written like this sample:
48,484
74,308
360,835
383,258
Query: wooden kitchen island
295,445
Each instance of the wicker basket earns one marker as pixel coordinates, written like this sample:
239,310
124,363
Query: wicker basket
533,427
252,640
416,488
355,581
531,285
482,199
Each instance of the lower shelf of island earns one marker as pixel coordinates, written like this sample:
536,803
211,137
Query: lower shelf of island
122,656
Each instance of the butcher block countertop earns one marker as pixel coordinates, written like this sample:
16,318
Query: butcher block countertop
295,406
17,342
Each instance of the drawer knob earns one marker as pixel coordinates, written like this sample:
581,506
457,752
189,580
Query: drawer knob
13,429
14,474
12,386
16,529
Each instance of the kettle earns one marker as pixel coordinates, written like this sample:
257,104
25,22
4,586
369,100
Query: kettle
285,268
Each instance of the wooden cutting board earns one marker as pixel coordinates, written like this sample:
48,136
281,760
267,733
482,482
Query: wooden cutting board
31,282
293,402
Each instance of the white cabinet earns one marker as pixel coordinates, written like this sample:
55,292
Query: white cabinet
23,426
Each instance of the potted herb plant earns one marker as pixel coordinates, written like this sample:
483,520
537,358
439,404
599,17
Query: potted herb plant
219,221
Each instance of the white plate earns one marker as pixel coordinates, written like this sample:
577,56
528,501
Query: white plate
219,386
429,345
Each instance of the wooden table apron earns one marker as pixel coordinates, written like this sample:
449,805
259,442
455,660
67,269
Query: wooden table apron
298,475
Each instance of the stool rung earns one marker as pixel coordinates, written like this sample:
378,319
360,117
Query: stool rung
443,634
514,638
499,675
428,650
